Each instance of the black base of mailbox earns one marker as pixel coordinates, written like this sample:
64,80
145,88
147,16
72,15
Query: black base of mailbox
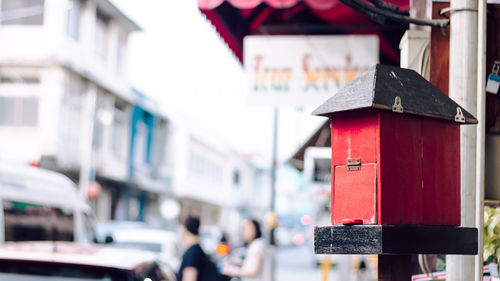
395,239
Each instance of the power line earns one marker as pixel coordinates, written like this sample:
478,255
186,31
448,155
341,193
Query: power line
383,11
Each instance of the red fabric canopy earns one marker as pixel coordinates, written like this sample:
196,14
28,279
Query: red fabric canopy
277,4
235,19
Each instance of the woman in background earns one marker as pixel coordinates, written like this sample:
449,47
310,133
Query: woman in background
257,263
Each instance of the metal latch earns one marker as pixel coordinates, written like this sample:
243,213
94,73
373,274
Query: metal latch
460,116
353,164
397,107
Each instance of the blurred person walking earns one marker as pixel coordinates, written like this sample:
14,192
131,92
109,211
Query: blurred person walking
195,265
257,263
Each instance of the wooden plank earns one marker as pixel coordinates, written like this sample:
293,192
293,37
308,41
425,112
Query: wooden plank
441,173
394,267
401,169
395,239
429,240
348,239
354,186
439,51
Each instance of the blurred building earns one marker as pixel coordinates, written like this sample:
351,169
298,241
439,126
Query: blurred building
147,159
66,104
211,180
64,94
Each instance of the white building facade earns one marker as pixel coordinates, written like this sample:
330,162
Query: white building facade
212,181
65,99
64,90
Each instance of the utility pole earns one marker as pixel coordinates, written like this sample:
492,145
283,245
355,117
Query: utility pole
86,139
462,89
272,238
481,132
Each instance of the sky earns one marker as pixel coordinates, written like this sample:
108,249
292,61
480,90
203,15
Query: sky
181,61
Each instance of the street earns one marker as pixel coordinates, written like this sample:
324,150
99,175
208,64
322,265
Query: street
297,263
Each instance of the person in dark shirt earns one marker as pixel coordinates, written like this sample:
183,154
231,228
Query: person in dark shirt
195,265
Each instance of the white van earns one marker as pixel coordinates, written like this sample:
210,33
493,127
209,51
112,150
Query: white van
38,204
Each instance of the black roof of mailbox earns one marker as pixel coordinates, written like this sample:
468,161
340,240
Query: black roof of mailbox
397,89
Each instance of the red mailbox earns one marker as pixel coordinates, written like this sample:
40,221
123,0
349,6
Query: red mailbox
395,150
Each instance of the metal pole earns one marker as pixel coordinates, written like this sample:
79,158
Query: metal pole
481,117
463,88
87,131
325,266
272,239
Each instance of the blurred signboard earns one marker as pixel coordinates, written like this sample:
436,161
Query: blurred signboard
322,170
298,70
435,276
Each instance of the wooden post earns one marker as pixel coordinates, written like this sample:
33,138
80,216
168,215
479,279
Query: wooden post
394,267
440,51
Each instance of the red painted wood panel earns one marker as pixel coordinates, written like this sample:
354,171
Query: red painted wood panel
441,172
379,175
400,169
354,194
410,169
332,180
354,135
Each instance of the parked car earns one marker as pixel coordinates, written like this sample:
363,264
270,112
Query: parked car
106,229
56,261
38,204
164,243
210,238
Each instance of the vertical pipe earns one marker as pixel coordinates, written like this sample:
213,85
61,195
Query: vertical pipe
481,116
463,88
87,131
2,223
325,266
273,170
272,239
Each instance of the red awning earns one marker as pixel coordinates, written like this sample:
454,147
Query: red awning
277,4
235,19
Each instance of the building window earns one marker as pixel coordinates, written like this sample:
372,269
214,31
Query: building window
205,168
101,34
118,132
27,80
120,49
117,136
322,170
22,12
19,112
97,135
140,154
236,178
73,19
